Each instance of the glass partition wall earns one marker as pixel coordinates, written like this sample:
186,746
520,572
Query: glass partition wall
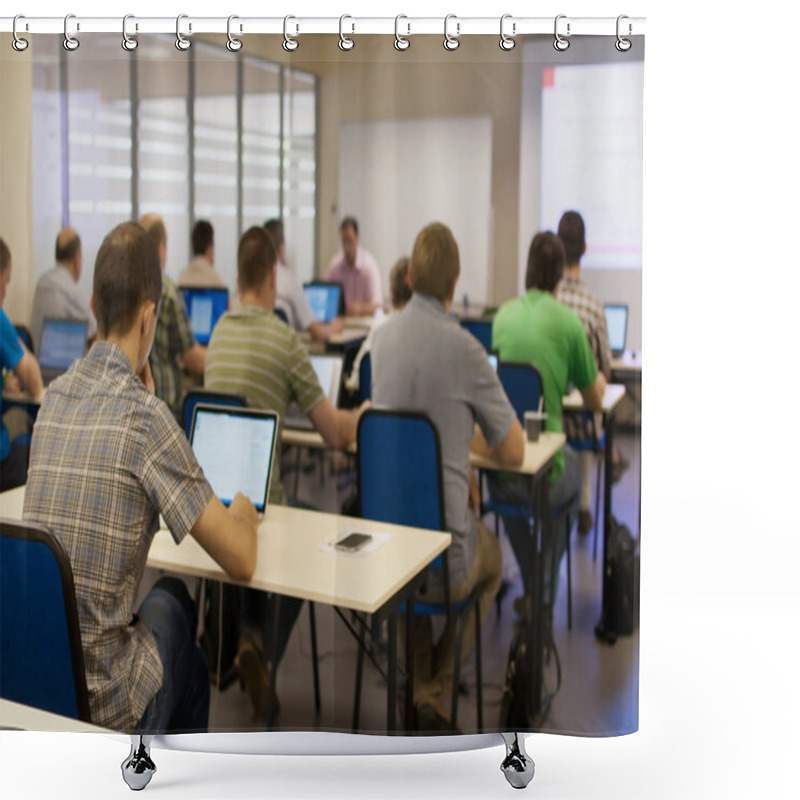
206,134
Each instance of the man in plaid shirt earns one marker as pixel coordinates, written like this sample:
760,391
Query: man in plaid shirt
572,292
173,333
107,457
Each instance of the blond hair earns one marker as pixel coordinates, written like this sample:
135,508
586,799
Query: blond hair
155,227
434,264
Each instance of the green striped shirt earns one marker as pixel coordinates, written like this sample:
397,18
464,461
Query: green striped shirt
254,353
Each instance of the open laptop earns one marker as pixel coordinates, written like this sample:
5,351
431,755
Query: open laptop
63,341
617,325
324,299
204,306
494,359
329,373
234,446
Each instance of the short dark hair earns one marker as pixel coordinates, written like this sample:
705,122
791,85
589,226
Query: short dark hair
5,256
202,237
256,258
67,245
127,273
572,233
349,222
398,282
274,227
545,262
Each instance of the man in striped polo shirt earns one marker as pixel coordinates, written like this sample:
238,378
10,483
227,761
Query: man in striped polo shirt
253,353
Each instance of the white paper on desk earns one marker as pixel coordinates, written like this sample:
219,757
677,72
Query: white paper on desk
378,540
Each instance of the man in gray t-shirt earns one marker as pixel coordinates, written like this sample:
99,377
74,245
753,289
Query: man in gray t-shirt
423,360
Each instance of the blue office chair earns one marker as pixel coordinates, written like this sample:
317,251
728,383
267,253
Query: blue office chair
582,437
523,385
481,329
281,314
400,481
365,378
207,396
41,655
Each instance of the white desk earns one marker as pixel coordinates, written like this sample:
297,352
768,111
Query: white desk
290,562
611,397
629,362
16,716
538,455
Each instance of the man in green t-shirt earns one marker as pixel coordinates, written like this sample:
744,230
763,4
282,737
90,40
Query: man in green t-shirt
536,328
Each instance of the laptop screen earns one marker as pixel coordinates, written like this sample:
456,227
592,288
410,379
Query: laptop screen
323,299
617,324
329,375
204,306
494,359
63,341
234,446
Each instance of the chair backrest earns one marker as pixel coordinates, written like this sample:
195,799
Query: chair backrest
281,314
25,336
41,656
523,386
481,329
208,396
365,378
400,469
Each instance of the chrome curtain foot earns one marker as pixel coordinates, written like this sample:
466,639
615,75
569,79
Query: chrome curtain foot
518,766
138,768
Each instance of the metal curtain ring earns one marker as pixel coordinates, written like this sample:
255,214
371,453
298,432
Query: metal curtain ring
290,44
70,42
506,42
129,43
181,42
451,42
400,42
560,43
233,44
18,43
345,43
623,45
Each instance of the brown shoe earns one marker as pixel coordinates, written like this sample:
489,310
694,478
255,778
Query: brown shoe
584,522
254,674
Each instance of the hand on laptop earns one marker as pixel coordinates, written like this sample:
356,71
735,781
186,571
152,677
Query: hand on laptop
243,508
337,325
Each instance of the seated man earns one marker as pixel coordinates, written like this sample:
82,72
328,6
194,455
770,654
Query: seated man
291,298
423,360
107,457
174,338
57,295
200,270
253,353
536,328
24,375
356,269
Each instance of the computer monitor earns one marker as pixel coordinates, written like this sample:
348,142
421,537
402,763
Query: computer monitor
617,325
63,341
234,447
324,299
204,306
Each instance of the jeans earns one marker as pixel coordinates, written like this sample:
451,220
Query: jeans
181,704
564,495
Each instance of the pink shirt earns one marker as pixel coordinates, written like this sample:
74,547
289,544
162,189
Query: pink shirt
362,282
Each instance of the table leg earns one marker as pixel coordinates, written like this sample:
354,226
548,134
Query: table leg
272,659
409,694
391,677
608,423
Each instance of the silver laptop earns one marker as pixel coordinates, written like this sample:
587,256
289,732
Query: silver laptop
63,341
234,446
617,325
329,373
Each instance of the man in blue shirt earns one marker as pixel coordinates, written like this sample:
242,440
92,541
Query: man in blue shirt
15,358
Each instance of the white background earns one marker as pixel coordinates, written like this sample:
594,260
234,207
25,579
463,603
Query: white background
720,605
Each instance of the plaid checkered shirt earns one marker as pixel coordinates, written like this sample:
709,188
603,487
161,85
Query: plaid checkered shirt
106,457
173,337
572,292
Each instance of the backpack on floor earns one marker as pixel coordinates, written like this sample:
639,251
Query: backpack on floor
621,585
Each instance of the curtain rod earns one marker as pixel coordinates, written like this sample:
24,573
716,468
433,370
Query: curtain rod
402,27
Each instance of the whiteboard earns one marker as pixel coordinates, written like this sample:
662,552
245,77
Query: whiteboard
396,176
